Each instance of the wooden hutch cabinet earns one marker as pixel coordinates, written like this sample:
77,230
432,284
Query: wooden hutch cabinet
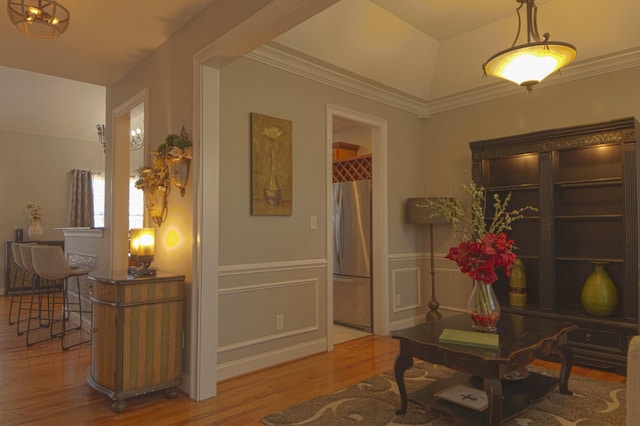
137,334
584,182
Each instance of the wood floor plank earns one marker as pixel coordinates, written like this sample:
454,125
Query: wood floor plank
42,385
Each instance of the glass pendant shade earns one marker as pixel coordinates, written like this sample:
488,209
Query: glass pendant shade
39,18
529,63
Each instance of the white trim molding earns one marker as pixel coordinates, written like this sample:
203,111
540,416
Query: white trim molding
293,61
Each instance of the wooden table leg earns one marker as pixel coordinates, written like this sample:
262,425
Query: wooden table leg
493,388
402,364
566,354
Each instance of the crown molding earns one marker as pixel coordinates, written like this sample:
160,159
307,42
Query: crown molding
584,69
295,62
281,57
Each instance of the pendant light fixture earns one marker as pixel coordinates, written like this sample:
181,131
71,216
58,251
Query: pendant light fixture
529,63
39,18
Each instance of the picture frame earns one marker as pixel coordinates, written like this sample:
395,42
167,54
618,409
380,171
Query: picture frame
271,166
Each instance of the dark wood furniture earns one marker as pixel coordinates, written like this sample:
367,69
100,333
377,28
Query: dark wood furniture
522,339
10,266
137,334
583,180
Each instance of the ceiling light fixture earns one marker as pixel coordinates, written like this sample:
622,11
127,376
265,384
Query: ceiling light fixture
528,64
39,18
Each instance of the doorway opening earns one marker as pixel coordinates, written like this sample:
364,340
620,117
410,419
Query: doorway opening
356,236
351,222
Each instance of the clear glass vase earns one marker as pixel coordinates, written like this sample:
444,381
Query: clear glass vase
483,308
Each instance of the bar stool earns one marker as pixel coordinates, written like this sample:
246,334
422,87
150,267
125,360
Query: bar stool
17,259
40,310
51,265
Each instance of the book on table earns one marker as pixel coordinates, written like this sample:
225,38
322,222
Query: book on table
470,338
466,396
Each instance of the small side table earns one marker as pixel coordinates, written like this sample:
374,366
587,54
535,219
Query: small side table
522,339
137,335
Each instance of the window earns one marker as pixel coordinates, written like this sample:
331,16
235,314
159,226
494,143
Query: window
98,200
136,203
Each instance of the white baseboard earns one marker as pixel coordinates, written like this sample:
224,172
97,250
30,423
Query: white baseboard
269,359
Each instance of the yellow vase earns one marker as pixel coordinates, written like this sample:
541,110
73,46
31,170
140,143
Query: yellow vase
518,285
599,294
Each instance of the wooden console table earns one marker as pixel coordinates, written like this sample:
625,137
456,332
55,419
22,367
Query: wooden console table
522,339
137,334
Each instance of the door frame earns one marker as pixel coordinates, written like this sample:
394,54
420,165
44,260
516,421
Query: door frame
379,211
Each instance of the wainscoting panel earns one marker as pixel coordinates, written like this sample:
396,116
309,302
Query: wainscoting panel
270,308
410,279
405,288
265,312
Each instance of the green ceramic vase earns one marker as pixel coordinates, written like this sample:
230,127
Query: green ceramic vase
599,294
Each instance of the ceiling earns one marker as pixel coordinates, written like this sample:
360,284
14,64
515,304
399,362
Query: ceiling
427,50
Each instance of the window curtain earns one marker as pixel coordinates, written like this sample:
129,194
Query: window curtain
81,199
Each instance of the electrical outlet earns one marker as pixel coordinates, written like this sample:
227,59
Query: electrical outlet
398,301
279,321
313,222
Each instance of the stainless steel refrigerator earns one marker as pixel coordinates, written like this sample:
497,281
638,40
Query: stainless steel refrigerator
352,284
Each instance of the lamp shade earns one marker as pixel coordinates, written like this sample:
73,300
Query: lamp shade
142,242
529,64
420,212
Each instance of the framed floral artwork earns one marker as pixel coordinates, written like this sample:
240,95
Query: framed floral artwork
271,166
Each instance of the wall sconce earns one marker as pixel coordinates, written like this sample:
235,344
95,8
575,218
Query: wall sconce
141,251
420,212
137,139
102,136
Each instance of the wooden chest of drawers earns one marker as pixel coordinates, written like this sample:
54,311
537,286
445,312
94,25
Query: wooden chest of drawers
137,334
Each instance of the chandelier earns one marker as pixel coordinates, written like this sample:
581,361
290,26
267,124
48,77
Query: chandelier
137,138
39,18
529,63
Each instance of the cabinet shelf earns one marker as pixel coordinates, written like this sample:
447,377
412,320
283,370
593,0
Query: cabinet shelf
523,187
589,259
590,183
583,181
590,217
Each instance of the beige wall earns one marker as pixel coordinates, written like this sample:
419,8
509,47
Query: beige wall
258,278
36,169
447,134
168,74
257,243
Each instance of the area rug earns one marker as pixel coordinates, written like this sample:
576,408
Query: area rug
374,401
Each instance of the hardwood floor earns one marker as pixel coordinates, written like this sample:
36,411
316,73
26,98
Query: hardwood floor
42,385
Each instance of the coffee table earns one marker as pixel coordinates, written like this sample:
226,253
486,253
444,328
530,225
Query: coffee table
522,339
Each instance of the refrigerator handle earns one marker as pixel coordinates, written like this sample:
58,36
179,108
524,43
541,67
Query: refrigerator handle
337,228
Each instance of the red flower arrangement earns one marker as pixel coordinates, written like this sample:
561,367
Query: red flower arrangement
484,247
480,259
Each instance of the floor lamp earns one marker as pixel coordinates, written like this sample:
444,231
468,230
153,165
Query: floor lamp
419,212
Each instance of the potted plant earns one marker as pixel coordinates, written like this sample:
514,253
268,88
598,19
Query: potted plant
36,216
178,152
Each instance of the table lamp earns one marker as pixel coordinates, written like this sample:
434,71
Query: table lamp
419,212
141,250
